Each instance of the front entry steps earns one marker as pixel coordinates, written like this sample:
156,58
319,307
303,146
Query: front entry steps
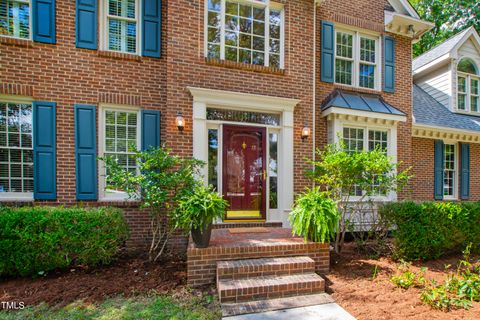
266,284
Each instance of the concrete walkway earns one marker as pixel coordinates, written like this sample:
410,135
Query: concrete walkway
329,311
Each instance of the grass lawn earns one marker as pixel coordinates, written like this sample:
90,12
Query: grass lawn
139,307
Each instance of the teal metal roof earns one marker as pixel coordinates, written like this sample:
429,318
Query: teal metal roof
360,102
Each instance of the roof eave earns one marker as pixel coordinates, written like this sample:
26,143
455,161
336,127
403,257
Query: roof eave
405,25
440,61
365,114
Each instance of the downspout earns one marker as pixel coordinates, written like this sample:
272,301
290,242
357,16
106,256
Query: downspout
314,78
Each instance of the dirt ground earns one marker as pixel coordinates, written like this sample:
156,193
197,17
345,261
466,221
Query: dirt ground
351,284
127,276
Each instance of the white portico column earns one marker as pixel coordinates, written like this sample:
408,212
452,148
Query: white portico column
285,183
200,136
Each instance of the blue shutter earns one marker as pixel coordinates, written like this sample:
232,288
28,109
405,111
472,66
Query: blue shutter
389,64
151,28
150,129
86,24
438,169
327,52
43,20
86,152
465,172
44,151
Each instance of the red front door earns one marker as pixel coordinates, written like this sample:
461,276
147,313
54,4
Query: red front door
244,172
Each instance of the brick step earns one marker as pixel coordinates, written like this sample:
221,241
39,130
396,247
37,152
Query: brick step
234,309
269,287
249,268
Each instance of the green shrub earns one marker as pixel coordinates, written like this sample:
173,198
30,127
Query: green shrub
34,240
314,216
428,230
407,278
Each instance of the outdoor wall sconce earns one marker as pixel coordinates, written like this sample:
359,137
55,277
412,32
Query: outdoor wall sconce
180,121
305,132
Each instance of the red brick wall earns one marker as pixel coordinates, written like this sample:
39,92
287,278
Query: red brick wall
421,186
354,13
187,67
67,75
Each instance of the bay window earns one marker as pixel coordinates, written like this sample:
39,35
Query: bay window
467,86
364,138
245,31
15,18
357,59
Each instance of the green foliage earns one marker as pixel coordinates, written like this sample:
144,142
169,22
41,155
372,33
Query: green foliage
199,208
314,216
161,181
162,178
449,18
458,290
407,279
143,307
34,240
340,173
428,230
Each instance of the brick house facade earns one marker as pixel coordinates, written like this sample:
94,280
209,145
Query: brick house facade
187,78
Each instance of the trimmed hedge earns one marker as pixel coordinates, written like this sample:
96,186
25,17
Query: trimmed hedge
428,230
34,240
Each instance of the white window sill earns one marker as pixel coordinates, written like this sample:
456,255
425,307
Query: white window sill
16,197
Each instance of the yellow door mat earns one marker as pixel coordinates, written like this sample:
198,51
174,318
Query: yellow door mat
249,230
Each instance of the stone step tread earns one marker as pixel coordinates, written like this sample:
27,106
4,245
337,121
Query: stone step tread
265,281
264,262
233,309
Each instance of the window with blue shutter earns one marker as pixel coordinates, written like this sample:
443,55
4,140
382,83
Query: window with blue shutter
150,129
86,24
327,52
389,64
44,151
86,152
43,21
465,171
438,169
151,28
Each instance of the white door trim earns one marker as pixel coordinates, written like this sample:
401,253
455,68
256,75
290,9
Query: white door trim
203,98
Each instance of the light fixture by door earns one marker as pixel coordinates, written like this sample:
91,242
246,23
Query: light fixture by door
306,131
180,121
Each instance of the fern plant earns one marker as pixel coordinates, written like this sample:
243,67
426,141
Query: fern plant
314,216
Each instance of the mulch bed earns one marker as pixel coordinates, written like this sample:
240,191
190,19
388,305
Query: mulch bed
352,285
127,276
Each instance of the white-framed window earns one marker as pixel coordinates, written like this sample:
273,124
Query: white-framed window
468,86
16,150
15,18
357,57
450,160
357,139
121,27
119,138
246,31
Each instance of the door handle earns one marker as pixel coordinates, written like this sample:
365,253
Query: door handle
264,174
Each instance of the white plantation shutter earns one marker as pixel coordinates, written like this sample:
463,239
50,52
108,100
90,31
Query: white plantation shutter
122,25
16,151
15,18
121,140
